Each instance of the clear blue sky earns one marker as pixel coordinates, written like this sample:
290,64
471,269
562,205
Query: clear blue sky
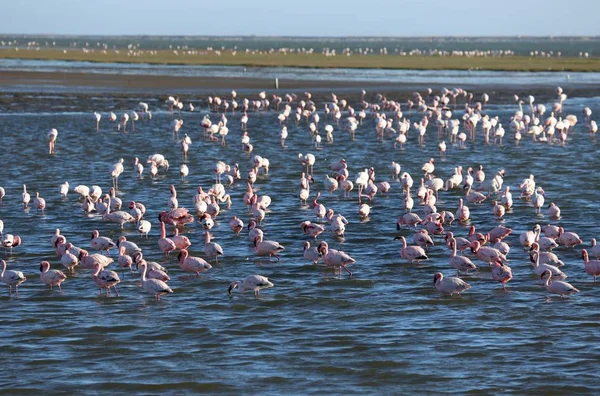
303,17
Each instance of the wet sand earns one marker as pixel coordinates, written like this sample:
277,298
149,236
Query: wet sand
138,83
26,90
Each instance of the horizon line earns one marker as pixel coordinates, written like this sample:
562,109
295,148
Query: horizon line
256,36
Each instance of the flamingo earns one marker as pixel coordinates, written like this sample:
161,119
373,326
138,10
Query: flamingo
89,261
63,189
412,253
592,267
462,213
192,264
125,260
138,167
166,245
97,117
319,209
212,249
335,258
540,267
569,239
153,286
119,216
116,171
39,202
561,288
68,259
236,225
11,278
106,279
180,241
52,135
487,254
307,160
451,285
25,197
460,263
553,211
251,282
101,243
311,254
51,277
501,273
312,229
267,248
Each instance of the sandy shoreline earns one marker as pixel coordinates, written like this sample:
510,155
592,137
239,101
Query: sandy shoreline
25,90
140,83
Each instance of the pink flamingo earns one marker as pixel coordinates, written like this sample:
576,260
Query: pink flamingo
166,245
251,282
11,278
564,289
592,267
267,248
153,286
212,249
412,253
501,273
451,285
106,279
335,258
51,277
460,263
101,243
312,229
192,264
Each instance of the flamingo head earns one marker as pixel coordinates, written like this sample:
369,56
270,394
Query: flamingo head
162,216
436,277
544,274
43,265
323,247
232,286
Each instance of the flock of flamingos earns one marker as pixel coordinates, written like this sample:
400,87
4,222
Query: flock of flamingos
453,123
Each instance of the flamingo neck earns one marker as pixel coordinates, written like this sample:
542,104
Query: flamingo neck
145,266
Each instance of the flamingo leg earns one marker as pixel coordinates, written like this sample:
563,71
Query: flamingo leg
347,270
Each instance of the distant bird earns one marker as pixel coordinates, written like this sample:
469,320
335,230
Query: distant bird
63,189
97,116
39,202
52,135
115,172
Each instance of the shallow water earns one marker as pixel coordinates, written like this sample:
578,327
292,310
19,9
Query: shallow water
385,329
455,77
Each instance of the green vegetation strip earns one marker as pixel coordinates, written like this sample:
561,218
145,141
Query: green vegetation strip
509,63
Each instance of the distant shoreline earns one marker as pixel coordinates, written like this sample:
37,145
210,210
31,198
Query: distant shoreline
315,60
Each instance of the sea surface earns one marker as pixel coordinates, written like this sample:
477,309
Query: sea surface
385,330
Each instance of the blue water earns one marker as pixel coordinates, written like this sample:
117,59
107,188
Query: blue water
385,330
